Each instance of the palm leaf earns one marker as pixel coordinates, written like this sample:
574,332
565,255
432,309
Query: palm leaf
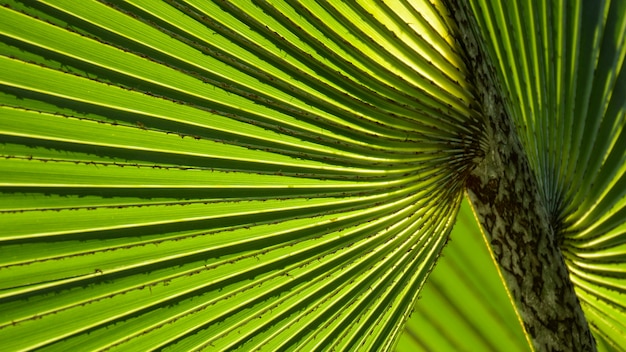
202,176
573,142
464,305
190,174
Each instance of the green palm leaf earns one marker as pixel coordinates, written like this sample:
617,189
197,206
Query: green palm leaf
284,174
464,305
240,180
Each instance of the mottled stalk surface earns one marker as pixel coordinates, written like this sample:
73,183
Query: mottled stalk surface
504,193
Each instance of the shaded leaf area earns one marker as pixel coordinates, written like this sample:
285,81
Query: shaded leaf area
191,174
562,64
464,306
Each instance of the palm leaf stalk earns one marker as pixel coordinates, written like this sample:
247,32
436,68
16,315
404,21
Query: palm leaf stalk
562,67
220,175
507,201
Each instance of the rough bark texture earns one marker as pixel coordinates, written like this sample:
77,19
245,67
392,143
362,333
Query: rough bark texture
505,196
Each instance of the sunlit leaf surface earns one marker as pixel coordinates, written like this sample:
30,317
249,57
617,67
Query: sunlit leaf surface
464,306
186,175
192,174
